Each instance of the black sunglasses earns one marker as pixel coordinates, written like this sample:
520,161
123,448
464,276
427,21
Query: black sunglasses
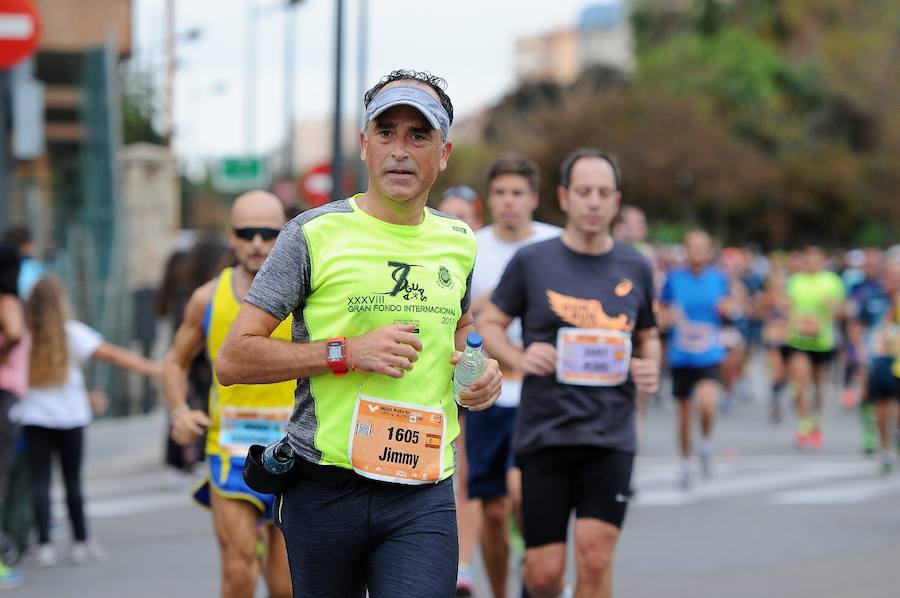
249,233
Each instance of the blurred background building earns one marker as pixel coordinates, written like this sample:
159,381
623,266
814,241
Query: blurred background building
602,37
104,216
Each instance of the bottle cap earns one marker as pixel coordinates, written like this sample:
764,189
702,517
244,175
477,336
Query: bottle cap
474,340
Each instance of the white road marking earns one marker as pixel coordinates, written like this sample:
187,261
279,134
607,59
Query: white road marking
839,494
798,479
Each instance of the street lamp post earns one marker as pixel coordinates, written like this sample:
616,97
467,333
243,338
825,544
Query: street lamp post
362,53
171,59
169,110
290,68
337,157
250,79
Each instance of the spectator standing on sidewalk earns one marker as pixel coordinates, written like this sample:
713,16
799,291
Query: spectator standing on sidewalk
57,408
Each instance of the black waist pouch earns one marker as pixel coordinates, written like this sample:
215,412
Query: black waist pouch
259,479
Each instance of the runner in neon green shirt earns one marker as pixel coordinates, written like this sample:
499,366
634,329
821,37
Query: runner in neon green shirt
815,297
379,288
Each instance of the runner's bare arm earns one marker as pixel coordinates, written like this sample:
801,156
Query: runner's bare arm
464,326
478,307
127,360
187,424
666,316
539,359
492,323
188,342
479,303
12,323
250,356
645,368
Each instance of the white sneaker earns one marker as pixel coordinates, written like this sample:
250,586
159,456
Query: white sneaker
87,553
685,479
45,556
706,468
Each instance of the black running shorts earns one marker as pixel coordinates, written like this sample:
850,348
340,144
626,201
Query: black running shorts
685,379
594,481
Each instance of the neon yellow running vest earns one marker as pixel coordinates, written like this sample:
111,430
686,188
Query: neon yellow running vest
343,272
241,414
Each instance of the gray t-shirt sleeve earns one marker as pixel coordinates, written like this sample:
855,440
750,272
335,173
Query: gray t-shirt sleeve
282,284
466,302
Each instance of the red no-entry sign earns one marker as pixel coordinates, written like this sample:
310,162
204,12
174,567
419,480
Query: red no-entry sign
20,28
316,184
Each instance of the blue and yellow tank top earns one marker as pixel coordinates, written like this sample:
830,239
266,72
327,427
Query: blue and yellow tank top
895,340
242,414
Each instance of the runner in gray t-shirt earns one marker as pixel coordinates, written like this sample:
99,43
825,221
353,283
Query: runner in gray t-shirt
591,342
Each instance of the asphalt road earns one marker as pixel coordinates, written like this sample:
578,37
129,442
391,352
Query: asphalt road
772,522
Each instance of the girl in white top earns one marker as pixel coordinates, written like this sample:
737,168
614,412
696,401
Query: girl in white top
57,408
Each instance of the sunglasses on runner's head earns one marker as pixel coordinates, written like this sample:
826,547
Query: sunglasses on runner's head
249,233
461,191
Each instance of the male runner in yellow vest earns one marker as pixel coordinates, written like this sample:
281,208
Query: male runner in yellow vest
239,415
379,287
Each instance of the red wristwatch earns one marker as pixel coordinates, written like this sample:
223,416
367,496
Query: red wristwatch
336,355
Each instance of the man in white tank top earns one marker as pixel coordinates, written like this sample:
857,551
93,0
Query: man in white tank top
512,197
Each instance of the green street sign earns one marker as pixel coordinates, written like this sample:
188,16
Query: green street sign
241,173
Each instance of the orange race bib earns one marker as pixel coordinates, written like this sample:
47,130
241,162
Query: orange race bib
397,442
592,357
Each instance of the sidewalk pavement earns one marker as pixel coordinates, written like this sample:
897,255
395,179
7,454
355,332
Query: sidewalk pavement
117,445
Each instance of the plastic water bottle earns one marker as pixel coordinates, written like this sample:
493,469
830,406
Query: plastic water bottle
278,458
470,366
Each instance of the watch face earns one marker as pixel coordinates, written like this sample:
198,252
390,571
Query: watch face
335,351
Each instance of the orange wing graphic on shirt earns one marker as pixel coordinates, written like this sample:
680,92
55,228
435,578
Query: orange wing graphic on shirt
586,313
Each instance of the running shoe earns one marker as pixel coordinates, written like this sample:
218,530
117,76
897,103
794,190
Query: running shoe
87,553
869,428
776,413
464,585
706,469
887,464
464,588
802,439
9,552
516,541
815,438
849,398
685,480
806,427
9,579
45,556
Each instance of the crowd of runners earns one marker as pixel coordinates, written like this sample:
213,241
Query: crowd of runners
821,321
340,327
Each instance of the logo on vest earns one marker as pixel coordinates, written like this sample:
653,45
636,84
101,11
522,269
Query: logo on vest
444,279
402,286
